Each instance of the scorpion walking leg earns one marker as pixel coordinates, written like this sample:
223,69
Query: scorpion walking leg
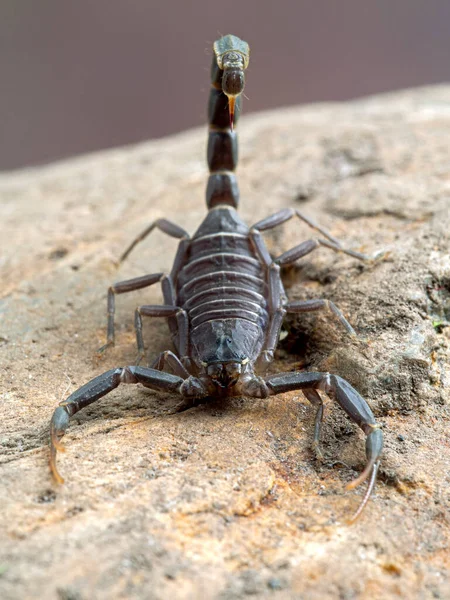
275,300
353,404
317,304
137,283
97,388
276,311
301,306
171,229
162,311
331,242
174,363
276,291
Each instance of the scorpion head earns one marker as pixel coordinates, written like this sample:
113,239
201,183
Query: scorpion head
226,364
225,374
224,352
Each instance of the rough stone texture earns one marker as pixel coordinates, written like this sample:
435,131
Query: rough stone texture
226,501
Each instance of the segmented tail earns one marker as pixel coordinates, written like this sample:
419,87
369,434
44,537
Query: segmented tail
231,57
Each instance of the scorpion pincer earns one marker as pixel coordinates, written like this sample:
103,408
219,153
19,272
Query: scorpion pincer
224,299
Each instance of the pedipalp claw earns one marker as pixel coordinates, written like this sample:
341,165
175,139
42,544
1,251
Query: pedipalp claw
55,445
361,477
374,446
367,495
56,476
58,426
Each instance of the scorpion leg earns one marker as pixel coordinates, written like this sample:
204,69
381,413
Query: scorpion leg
276,297
301,306
290,256
171,229
277,312
130,285
276,292
353,404
173,361
97,388
331,242
317,304
161,310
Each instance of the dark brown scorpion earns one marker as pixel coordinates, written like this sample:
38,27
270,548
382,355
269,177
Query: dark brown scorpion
224,298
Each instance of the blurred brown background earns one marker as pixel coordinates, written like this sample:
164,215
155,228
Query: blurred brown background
79,76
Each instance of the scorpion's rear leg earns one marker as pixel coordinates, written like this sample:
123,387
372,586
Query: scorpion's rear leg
353,404
97,388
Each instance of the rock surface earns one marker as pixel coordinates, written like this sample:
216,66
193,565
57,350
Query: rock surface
226,501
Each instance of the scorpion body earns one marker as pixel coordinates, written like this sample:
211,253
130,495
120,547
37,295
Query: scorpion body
224,298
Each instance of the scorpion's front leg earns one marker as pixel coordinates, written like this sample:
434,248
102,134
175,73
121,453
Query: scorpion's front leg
102,385
353,404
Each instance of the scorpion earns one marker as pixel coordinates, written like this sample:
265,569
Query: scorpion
224,298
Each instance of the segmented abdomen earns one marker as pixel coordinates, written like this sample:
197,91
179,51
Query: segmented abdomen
222,279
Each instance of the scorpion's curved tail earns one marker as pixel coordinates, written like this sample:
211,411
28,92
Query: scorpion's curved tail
231,57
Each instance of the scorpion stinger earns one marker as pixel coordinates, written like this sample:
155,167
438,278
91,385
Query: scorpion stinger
231,57
224,298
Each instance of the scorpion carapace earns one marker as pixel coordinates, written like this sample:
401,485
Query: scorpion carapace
224,298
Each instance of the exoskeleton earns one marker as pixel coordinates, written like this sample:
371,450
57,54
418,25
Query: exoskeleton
224,298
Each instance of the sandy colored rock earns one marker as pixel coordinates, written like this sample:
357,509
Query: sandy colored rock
226,501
